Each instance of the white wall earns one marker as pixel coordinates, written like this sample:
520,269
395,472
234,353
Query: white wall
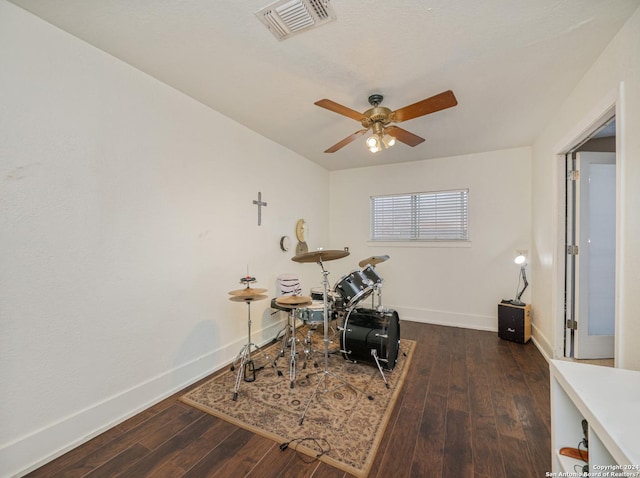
613,79
126,216
449,285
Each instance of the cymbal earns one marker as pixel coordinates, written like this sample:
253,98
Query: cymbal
317,256
293,300
247,291
373,260
247,298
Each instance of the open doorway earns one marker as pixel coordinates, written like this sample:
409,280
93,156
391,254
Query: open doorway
590,233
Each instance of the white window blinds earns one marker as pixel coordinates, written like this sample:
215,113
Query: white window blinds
428,216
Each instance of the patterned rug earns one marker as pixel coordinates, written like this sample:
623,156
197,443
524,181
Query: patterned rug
346,425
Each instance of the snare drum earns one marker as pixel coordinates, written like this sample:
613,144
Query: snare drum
367,330
313,314
353,288
317,293
370,273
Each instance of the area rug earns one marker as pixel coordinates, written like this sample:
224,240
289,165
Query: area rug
349,404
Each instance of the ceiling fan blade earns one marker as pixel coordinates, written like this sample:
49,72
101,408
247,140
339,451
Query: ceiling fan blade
438,102
404,136
341,110
346,141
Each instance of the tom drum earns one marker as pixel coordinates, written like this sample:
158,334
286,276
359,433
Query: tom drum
370,273
353,288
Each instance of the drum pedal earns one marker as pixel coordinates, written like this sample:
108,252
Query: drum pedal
249,367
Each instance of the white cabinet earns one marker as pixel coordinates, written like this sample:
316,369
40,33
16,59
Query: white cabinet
609,399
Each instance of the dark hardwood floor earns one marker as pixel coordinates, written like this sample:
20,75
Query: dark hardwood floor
472,406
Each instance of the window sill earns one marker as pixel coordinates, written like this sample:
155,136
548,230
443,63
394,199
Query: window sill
427,244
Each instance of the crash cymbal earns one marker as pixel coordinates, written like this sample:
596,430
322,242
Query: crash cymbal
317,256
293,300
247,291
373,260
247,298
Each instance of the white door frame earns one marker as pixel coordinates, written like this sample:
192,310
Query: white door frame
609,106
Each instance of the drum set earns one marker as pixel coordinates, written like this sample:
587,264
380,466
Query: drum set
367,334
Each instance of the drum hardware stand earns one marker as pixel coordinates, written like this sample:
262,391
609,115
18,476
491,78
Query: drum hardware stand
344,330
326,372
287,332
382,310
247,366
310,351
290,337
374,354
378,292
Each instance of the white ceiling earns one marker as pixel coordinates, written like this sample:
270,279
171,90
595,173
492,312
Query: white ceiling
510,63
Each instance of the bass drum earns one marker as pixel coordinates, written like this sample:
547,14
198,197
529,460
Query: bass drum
365,330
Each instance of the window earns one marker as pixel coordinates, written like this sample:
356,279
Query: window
429,216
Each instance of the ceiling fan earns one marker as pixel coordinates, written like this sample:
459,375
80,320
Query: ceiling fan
379,119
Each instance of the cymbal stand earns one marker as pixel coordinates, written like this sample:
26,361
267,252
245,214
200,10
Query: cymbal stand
323,380
247,369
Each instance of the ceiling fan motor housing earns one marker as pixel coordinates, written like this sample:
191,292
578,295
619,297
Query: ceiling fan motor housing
377,114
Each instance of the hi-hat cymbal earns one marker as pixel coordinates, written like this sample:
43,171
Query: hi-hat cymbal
373,260
247,298
247,291
293,300
317,256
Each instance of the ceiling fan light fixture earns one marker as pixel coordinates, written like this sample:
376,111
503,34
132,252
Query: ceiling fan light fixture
373,143
388,140
377,140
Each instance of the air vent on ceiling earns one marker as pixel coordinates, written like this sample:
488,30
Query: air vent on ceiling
285,18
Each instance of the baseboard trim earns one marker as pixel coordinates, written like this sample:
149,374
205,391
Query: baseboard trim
450,319
31,451
541,342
